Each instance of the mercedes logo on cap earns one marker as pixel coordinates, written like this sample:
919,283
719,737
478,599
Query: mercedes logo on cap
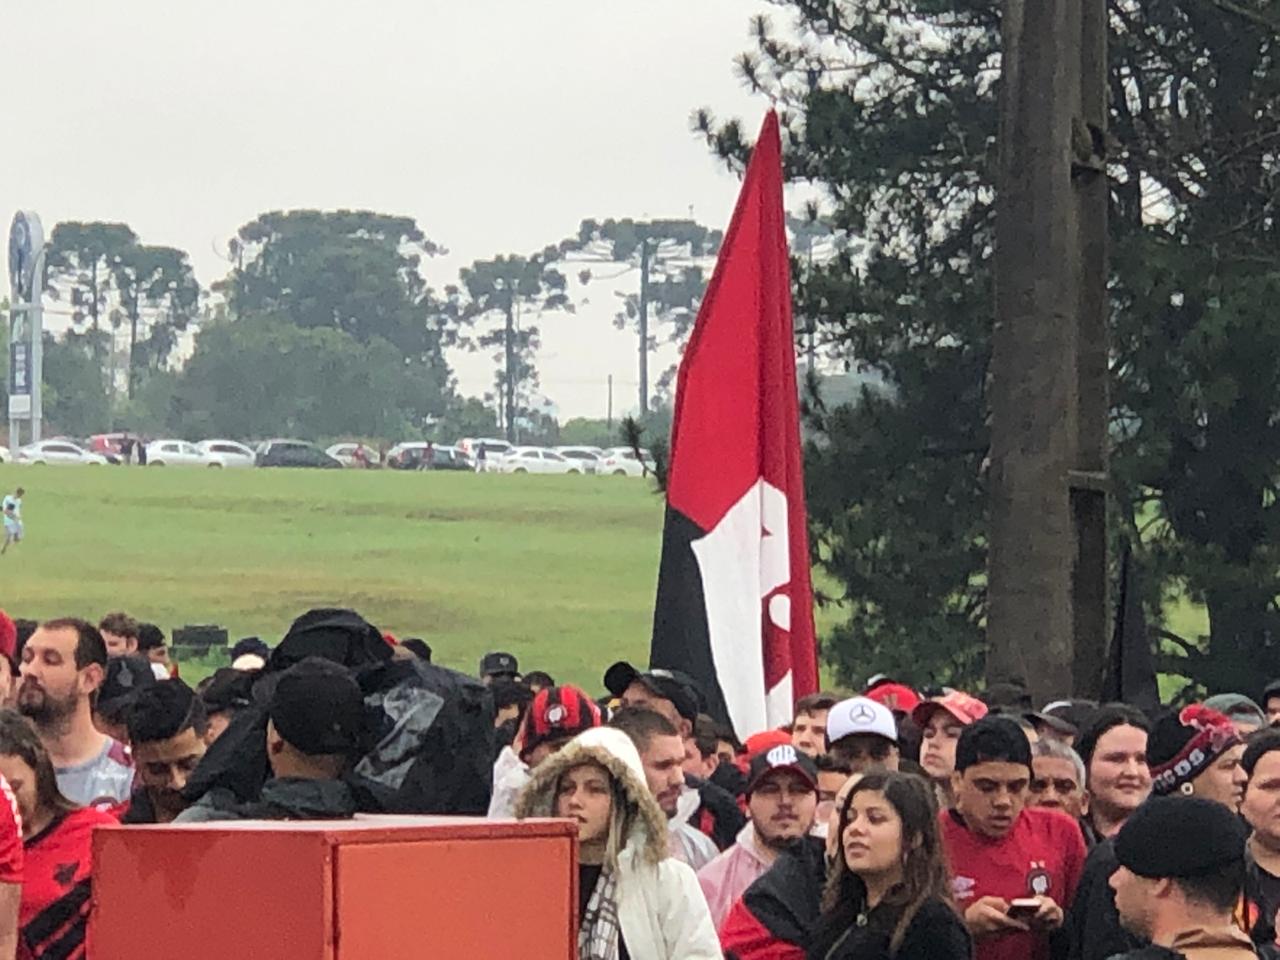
861,713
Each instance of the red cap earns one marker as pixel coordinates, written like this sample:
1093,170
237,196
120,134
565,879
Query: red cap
758,743
556,713
8,636
895,696
964,708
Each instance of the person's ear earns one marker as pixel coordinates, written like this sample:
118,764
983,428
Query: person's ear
956,779
91,677
1162,888
275,742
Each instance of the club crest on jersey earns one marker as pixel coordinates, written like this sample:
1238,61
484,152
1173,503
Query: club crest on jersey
1039,882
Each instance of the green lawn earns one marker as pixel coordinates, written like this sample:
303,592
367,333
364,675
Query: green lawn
558,570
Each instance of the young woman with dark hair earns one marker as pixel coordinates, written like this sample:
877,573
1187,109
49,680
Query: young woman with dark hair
57,836
888,893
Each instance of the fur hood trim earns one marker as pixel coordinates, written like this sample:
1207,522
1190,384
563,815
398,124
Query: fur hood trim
613,750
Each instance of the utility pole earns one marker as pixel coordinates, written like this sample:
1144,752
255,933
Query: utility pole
608,418
644,327
1047,596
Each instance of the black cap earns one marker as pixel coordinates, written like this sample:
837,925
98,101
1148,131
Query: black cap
1209,836
228,689
667,684
317,707
498,663
125,677
782,757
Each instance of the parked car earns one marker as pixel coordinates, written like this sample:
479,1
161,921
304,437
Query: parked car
348,454
588,457
179,453
494,450
622,462
231,453
294,453
536,460
4,455
413,456
60,452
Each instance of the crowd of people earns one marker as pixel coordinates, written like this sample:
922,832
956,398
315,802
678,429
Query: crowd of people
895,823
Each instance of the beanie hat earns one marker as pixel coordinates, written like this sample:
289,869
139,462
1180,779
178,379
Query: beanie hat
1183,745
1209,836
556,713
317,708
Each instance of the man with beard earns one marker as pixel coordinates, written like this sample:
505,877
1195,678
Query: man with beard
169,733
63,665
782,798
1181,896
662,753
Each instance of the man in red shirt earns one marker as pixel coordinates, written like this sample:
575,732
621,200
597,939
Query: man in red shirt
10,870
1014,869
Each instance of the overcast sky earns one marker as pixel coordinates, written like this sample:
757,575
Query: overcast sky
498,124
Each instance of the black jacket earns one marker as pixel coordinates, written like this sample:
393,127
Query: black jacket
1092,928
718,816
936,932
282,798
782,906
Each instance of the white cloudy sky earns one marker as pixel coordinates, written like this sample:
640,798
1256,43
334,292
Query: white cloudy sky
498,124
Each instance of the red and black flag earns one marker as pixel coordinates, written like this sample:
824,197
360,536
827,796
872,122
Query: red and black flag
735,601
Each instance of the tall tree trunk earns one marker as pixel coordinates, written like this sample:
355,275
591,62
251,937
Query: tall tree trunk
133,342
644,327
509,386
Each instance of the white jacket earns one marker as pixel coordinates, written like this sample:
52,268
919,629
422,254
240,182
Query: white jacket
661,909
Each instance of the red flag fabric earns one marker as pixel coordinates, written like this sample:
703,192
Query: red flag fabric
735,599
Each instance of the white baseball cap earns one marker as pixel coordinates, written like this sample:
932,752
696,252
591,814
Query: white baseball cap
861,715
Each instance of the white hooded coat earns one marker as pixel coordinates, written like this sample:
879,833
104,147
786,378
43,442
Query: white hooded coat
661,909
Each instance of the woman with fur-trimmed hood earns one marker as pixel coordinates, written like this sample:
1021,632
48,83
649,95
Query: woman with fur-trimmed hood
635,901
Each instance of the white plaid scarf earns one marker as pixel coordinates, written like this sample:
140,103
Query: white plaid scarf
599,931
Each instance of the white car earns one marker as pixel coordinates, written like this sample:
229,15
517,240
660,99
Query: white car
494,451
622,462
4,455
588,457
58,452
345,454
231,454
179,453
536,460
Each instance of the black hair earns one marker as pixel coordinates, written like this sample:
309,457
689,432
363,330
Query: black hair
164,710
539,679
418,647
1108,717
150,637
642,725
1220,888
992,739
511,693
1264,741
90,647
705,735
121,624
826,763
815,702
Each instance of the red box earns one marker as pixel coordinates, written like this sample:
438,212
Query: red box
374,888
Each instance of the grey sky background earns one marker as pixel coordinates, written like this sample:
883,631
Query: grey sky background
497,124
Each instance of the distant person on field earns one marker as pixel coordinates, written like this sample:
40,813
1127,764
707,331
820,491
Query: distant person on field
142,452
12,507
63,666
58,835
120,633
315,716
480,459
169,734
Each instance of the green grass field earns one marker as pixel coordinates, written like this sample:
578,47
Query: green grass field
560,571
